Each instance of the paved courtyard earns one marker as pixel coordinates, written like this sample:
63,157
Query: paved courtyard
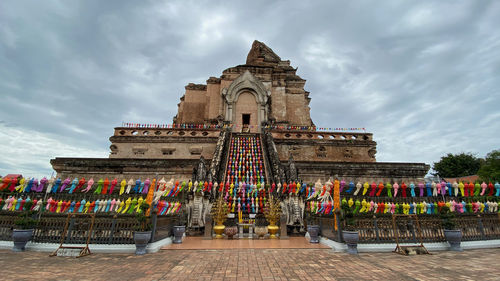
253,264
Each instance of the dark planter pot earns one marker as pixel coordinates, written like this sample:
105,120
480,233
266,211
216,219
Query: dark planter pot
20,238
454,237
351,238
141,239
313,231
178,233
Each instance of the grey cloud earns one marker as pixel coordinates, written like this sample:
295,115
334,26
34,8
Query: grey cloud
422,76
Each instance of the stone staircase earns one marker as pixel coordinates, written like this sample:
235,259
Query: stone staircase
245,176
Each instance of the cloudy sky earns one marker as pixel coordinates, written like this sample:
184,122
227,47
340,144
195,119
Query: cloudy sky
422,76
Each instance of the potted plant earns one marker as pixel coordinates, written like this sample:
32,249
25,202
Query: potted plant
23,231
451,233
179,227
219,214
143,233
231,228
261,227
312,227
272,212
349,233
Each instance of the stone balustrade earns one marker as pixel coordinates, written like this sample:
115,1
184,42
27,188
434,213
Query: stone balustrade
165,132
328,136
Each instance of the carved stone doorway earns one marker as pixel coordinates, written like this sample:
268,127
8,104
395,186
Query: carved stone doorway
246,113
246,95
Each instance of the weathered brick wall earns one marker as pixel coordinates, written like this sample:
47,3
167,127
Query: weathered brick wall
378,171
325,146
153,143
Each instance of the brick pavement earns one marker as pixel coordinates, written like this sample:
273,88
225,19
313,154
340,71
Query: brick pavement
253,264
197,243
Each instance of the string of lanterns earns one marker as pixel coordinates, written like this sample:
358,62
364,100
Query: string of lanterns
236,178
245,183
224,126
128,206
249,194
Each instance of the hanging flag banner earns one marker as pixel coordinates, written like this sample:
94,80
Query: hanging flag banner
224,126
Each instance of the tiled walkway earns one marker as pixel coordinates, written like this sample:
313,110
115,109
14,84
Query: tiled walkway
253,264
191,243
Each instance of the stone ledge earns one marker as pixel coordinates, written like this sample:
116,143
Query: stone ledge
163,139
380,165
389,247
119,165
196,87
362,169
132,162
326,142
94,248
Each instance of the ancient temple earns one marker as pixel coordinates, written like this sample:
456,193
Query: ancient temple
244,135
243,150
264,97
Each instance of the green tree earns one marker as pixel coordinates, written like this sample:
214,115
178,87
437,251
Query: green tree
490,170
457,165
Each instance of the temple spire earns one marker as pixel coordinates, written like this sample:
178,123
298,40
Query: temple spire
262,55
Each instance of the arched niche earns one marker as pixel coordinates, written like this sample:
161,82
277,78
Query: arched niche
247,84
